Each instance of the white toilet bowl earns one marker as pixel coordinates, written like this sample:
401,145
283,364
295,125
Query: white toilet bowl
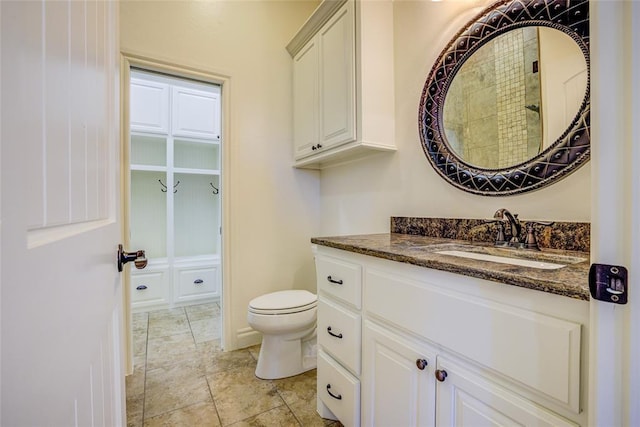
287,321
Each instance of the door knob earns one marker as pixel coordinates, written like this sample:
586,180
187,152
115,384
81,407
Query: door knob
138,257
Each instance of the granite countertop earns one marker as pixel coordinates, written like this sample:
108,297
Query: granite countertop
569,281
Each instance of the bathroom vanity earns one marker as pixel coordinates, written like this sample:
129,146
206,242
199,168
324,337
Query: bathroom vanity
409,334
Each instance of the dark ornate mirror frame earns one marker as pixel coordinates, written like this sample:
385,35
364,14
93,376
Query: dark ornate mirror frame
565,155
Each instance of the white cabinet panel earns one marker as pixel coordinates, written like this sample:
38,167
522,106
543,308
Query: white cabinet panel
338,390
149,288
339,333
195,113
466,399
340,279
337,79
196,282
498,336
305,100
398,385
149,108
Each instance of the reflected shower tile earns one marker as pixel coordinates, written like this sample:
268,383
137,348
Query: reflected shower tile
280,417
201,414
238,394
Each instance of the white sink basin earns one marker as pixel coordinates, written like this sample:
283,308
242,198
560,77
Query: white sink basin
504,260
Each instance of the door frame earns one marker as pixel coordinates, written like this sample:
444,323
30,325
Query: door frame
129,60
614,330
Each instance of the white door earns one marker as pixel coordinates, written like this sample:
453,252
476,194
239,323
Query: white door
61,290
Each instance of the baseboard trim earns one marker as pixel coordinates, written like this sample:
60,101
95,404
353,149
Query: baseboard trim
247,337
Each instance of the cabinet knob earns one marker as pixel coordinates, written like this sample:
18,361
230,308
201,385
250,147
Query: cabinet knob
421,364
141,287
314,148
319,146
441,375
198,281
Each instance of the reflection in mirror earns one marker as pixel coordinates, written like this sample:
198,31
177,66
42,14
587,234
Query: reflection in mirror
514,96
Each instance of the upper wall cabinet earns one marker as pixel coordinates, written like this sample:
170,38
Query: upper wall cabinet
192,113
149,106
343,94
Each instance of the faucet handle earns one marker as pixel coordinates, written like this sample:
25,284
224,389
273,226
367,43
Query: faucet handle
500,239
530,241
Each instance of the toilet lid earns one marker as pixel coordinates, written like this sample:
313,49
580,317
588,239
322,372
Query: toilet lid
283,302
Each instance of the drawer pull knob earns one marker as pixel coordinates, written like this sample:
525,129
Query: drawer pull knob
338,397
332,334
198,281
141,287
441,375
421,364
337,282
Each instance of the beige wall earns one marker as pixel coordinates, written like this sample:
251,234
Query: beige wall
274,208
360,197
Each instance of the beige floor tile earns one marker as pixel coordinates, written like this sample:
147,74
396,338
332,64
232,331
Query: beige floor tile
170,350
168,314
255,351
205,329
301,388
169,326
140,322
168,389
135,381
199,415
238,394
167,376
135,405
203,311
222,361
277,417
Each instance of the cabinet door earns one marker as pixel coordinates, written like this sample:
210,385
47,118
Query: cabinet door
337,78
465,398
149,108
305,100
398,387
196,113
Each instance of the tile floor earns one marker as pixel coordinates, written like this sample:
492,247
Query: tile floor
182,378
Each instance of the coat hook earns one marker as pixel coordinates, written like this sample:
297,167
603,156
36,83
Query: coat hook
216,190
164,190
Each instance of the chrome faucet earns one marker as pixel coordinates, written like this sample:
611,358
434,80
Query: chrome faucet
514,224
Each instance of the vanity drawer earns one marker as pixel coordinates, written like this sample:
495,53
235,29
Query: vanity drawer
338,390
148,287
197,281
340,279
339,333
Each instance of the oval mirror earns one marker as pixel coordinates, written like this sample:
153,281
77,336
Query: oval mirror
506,106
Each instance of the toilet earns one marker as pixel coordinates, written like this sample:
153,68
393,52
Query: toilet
287,321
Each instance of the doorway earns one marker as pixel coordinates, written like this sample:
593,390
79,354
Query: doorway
173,201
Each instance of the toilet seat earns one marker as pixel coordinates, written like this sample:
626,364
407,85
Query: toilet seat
283,302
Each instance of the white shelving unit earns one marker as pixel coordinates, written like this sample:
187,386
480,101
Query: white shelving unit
175,190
